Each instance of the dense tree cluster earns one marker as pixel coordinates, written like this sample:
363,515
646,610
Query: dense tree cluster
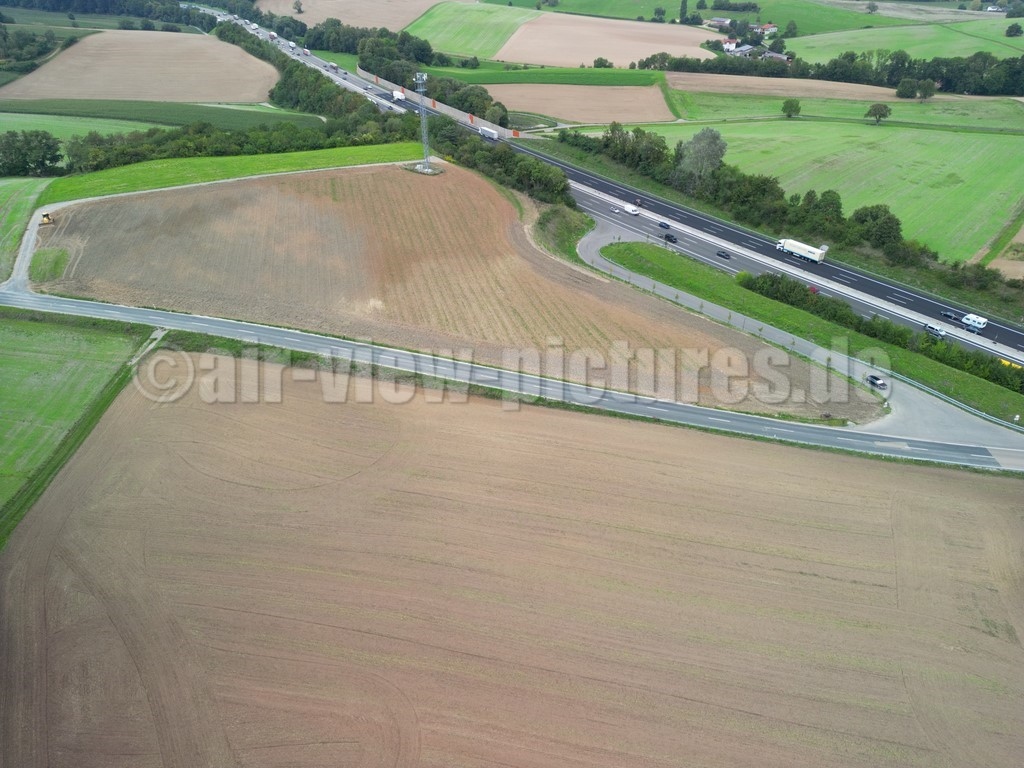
29,153
541,181
20,49
697,168
979,74
795,293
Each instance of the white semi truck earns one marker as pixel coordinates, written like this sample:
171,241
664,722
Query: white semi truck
802,250
397,96
488,133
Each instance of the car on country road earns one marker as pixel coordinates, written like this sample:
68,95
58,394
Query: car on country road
877,381
724,255
670,238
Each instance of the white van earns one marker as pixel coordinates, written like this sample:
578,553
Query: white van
934,330
632,210
974,323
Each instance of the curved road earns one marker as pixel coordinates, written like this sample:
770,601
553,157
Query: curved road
16,293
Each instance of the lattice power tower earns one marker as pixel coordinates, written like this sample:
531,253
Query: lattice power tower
421,88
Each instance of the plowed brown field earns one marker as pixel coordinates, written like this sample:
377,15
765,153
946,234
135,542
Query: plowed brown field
304,584
381,253
393,14
155,66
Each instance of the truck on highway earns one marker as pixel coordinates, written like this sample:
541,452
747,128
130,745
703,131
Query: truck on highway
488,133
802,250
397,96
632,210
272,36
974,323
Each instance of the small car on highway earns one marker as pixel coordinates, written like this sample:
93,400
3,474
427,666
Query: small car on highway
949,315
663,224
615,210
724,255
670,238
877,381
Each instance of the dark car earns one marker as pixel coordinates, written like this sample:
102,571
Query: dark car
877,382
724,255
663,224
670,238
950,315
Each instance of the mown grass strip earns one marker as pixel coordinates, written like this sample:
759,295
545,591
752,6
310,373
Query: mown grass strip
17,200
160,174
47,264
159,112
549,76
714,286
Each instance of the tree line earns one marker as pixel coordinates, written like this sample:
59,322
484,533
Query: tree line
795,293
697,168
979,74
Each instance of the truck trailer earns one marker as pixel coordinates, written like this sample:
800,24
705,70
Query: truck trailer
802,250
488,133
397,96
974,323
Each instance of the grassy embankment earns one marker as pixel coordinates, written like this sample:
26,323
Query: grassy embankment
58,375
812,18
719,288
925,41
17,201
160,174
145,113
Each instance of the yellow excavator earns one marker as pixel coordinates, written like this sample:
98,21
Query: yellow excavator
47,219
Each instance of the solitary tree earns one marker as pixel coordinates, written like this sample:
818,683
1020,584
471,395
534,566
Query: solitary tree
879,112
925,89
297,5
872,7
791,107
790,30
683,11
1014,30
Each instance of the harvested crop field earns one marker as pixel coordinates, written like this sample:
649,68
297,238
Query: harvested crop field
152,66
585,104
562,40
392,14
427,263
311,584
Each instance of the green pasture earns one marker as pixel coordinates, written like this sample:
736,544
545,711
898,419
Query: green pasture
469,30
160,174
50,378
66,127
346,61
146,113
953,191
495,73
59,19
712,285
17,201
811,18
922,41
973,113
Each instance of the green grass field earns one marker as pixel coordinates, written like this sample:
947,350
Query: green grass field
17,201
925,41
469,30
59,19
989,114
954,191
50,377
159,174
158,112
811,18
65,127
492,73
715,286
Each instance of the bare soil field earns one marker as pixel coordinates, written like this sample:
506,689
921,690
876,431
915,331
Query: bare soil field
561,40
445,584
585,104
439,263
392,14
924,12
772,86
153,66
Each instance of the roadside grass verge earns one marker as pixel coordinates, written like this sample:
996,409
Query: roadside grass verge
47,264
716,287
17,201
812,18
559,229
469,30
58,375
923,41
160,174
148,113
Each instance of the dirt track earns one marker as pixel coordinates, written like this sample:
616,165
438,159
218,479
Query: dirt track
211,584
422,263
155,66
